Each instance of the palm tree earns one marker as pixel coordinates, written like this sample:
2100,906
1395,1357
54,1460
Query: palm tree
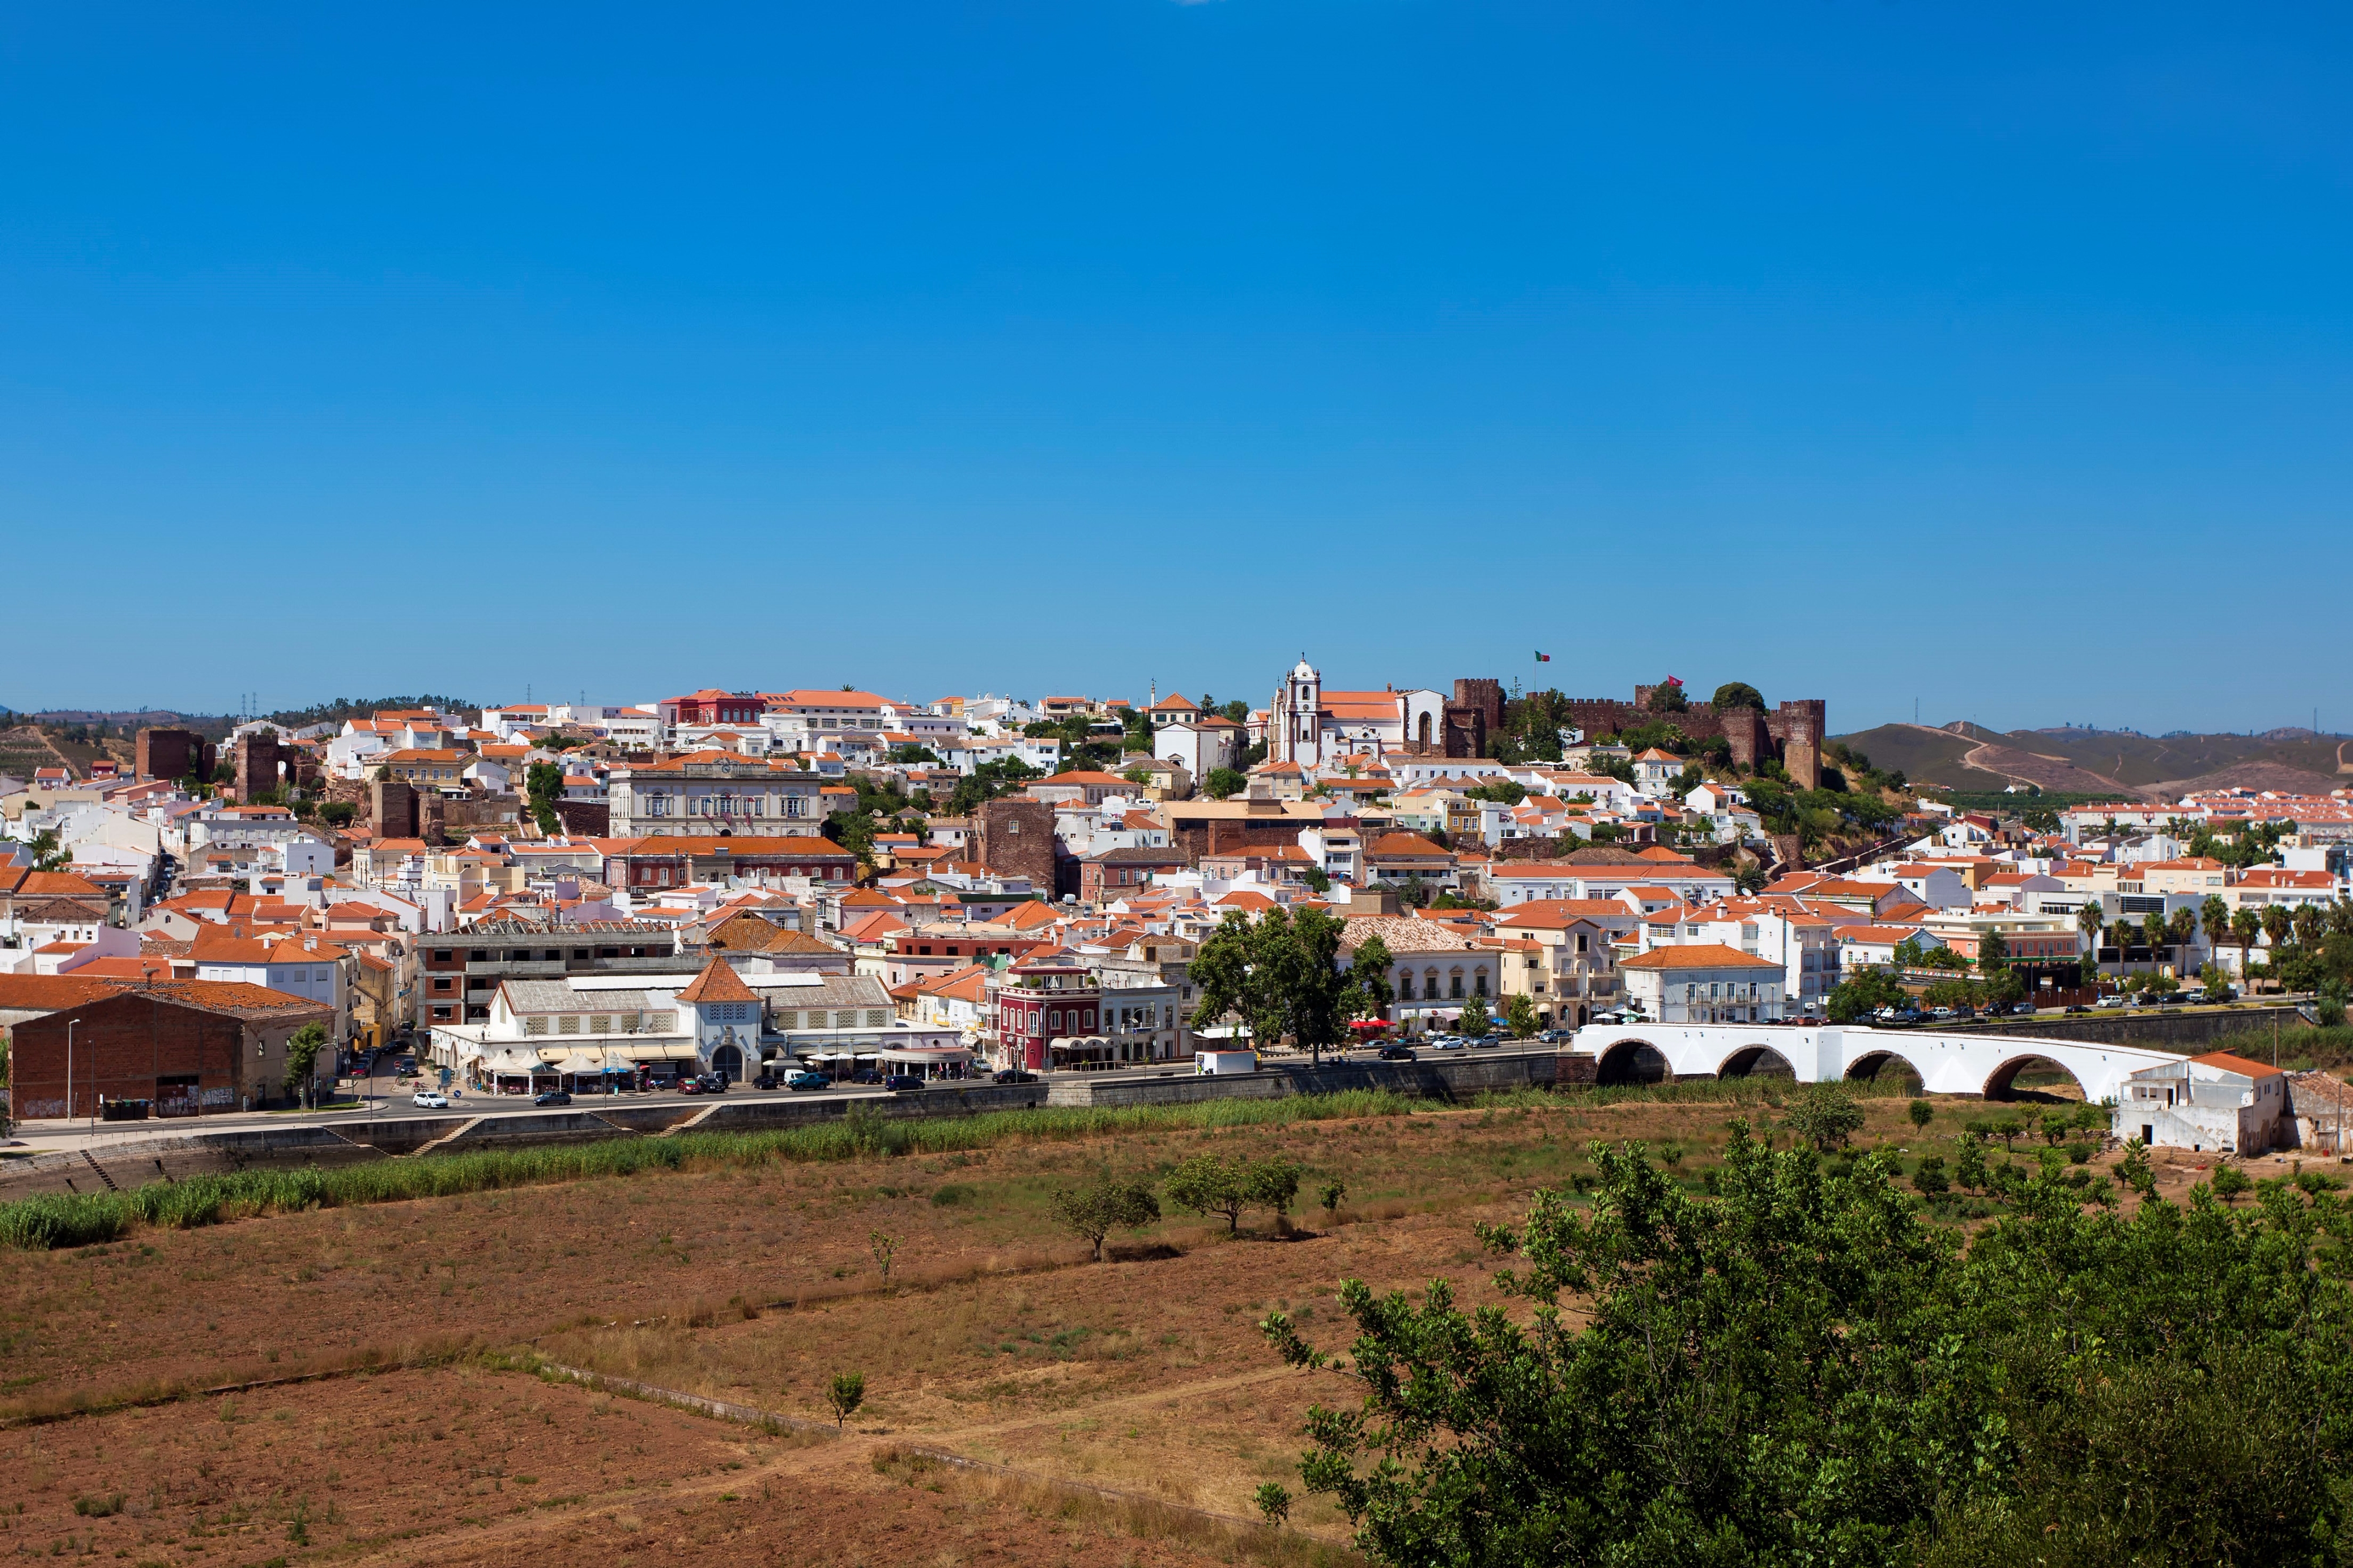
47,854
2244,929
2154,932
2091,920
2311,925
2277,926
2215,916
2340,918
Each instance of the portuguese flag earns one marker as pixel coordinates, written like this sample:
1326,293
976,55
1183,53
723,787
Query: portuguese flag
1543,658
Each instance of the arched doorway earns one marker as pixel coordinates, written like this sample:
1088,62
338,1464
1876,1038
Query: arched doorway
1756,1062
1886,1070
729,1060
1425,729
2038,1078
1633,1062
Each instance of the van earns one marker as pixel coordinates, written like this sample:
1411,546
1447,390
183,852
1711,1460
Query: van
1207,1064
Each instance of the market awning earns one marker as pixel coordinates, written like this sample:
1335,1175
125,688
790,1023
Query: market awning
940,1056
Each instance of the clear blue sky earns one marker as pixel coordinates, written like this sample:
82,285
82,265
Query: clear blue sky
1993,356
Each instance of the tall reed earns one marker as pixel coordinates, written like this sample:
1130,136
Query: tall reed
83,1219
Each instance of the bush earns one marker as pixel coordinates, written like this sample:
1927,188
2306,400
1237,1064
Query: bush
1823,1114
2072,1387
1930,1178
2230,1182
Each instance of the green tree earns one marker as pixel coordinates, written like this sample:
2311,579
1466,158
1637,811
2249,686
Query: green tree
1273,1502
2091,920
1369,993
1271,1182
1736,694
302,1048
844,1394
1862,994
1921,1112
1520,1017
1970,1163
543,787
1800,1370
1824,1114
2278,927
1993,951
2245,928
1474,1019
1668,697
1093,1212
2214,916
1223,783
1929,1177
1210,1184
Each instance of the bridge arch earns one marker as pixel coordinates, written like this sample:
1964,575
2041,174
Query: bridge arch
1633,1061
2002,1082
1756,1062
1869,1066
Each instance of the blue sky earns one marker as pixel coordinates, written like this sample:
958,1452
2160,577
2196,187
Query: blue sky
1994,356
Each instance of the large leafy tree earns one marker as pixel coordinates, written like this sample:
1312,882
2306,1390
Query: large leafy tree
1279,973
1801,1370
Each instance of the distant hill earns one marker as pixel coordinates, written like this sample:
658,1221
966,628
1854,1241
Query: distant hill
1967,756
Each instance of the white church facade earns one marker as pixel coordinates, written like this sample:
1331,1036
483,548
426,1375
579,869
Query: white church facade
1310,725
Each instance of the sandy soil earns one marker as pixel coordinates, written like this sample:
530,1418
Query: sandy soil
993,1338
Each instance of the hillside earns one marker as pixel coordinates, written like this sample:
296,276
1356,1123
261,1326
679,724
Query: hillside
1967,756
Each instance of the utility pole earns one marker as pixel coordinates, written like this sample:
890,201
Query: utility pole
70,1029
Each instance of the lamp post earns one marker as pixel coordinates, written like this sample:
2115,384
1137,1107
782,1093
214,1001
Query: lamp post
70,1029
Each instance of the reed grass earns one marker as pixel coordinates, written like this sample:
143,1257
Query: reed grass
83,1219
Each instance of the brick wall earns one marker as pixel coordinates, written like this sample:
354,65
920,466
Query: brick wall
584,818
255,759
391,809
171,755
1015,838
123,1046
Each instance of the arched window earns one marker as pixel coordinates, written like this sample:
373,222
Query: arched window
1054,1022
1425,729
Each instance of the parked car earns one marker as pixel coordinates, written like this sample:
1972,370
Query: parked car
1397,1053
2022,1009
431,1100
899,1082
1961,1013
2075,1007
1015,1075
866,1076
1446,1042
553,1097
1940,1012
803,1079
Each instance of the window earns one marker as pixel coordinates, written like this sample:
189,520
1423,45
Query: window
602,1024
788,1020
534,1025
845,1019
876,1017
568,1025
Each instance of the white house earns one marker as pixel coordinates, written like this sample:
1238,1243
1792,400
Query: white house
2216,1101
1707,983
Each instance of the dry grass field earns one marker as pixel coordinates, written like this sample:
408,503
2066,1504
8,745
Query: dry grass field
992,1338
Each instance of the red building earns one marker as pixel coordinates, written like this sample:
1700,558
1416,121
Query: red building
1042,1001
189,1048
712,706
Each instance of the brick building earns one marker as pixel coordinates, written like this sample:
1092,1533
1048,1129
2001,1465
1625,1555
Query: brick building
257,758
1118,873
189,1046
392,810
171,755
1015,838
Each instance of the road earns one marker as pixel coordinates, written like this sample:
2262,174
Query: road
384,1096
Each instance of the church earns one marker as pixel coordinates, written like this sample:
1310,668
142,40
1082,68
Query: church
1311,726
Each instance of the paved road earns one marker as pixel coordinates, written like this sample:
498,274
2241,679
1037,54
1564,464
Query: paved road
384,1096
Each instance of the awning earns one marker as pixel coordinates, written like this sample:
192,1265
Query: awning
938,1056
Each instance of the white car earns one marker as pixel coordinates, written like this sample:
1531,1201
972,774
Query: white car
430,1098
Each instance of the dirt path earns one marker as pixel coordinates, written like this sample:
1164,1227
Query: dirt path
846,1463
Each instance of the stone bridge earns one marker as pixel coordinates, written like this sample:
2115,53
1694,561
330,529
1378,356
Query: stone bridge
1980,1064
